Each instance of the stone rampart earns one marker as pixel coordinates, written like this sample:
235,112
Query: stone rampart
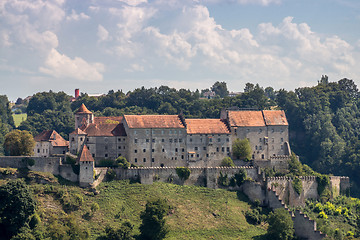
284,189
51,165
199,176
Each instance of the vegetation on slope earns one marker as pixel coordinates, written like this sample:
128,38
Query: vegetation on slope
195,212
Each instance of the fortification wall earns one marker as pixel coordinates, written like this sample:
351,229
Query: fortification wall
305,228
199,176
279,163
48,164
283,186
66,171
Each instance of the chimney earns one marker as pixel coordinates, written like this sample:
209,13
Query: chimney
76,93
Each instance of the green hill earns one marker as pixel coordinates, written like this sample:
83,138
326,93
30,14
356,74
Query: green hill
196,212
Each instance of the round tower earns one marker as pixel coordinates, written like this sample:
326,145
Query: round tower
83,117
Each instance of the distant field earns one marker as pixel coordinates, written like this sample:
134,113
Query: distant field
18,118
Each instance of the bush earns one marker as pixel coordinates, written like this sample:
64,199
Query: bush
323,215
281,225
153,225
183,173
70,160
106,163
227,162
30,162
240,177
110,175
253,216
123,233
122,162
297,185
323,182
242,149
223,180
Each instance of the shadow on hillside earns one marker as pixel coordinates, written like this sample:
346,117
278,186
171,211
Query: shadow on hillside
242,197
261,237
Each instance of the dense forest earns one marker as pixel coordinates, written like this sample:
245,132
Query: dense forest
324,120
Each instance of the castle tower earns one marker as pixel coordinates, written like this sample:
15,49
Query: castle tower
83,116
86,162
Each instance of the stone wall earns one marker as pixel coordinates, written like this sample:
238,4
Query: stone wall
285,191
199,176
51,165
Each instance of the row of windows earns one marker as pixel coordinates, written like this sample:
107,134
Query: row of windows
162,132
162,140
210,140
272,139
260,130
163,150
272,147
153,159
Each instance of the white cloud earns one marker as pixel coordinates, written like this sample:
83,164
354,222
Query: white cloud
133,2
76,17
103,34
61,66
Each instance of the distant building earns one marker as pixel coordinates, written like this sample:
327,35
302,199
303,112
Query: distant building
234,94
49,143
209,94
172,140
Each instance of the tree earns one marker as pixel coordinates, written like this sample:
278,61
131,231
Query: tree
19,143
122,233
220,89
183,173
153,226
122,162
17,206
281,225
242,149
227,162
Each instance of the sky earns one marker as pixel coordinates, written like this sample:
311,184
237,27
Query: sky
102,45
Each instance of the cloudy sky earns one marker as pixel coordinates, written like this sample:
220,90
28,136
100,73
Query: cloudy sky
98,45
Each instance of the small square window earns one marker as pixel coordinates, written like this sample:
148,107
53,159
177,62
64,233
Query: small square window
196,148
228,149
204,148
153,159
153,140
162,140
217,149
223,149
119,139
135,140
144,150
183,150
219,140
163,150
153,150
190,139
147,140
135,160
176,150
180,140
197,155
175,140
106,155
119,147
170,140
144,159
227,140
135,151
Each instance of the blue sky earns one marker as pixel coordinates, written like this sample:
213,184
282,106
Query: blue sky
99,45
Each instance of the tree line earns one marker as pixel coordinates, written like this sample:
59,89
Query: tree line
324,120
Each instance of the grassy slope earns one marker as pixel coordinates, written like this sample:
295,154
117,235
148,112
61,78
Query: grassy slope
197,212
18,118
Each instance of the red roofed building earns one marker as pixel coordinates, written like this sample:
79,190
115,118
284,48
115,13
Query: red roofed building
208,141
170,140
266,130
49,143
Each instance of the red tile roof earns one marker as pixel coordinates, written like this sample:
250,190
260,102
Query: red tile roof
246,118
86,155
109,130
275,117
108,120
78,131
153,121
83,110
53,137
206,126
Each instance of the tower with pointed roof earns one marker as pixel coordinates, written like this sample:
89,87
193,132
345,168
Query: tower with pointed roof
86,162
83,117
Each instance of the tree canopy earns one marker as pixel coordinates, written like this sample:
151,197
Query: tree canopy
19,143
242,149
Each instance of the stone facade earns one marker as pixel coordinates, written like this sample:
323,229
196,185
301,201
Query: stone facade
172,140
50,143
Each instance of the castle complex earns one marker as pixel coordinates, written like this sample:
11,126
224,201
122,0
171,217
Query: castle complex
172,140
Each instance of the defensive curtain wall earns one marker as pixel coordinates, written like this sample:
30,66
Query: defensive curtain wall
41,164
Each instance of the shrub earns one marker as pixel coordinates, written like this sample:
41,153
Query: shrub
106,163
323,215
318,208
281,225
253,216
122,233
227,162
153,226
110,175
223,180
240,177
297,185
70,160
323,182
183,173
242,149
94,207
122,162
30,162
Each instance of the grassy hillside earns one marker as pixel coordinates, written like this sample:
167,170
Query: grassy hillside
18,118
196,212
